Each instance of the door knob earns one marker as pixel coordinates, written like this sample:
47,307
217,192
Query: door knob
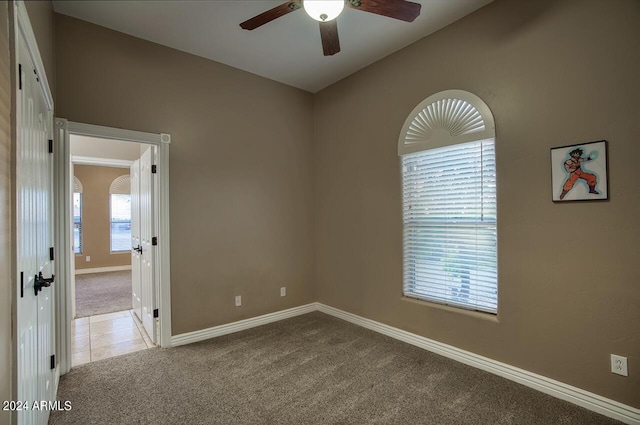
138,249
40,282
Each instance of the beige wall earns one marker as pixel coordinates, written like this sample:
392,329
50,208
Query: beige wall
240,167
96,229
6,255
554,73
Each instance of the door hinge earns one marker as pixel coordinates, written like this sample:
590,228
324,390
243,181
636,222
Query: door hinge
36,74
21,284
19,76
51,254
154,169
50,145
156,313
53,361
154,241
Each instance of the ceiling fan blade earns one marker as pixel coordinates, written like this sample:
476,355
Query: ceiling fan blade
271,14
397,9
329,36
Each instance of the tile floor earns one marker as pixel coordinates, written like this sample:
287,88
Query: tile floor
107,335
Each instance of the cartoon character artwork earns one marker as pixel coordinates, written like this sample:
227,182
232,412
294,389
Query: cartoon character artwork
579,172
572,166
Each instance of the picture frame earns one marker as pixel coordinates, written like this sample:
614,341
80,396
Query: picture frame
580,172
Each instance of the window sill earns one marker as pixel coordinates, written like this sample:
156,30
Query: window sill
475,314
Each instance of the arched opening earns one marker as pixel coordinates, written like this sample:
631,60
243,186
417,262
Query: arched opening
447,155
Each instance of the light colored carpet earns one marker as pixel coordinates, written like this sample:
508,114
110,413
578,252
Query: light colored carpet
311,369
100,293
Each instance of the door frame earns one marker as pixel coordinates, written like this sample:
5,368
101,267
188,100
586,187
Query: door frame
63,130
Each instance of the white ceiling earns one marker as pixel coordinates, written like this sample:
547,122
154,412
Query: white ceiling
287,49
104,149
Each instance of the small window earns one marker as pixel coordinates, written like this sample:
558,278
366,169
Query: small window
120,193
449,202
77,216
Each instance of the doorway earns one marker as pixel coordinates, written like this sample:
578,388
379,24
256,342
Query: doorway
105,229
90,148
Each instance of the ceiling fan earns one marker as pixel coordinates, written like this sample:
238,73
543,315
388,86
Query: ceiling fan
326,12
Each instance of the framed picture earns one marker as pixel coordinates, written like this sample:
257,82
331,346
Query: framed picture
579,172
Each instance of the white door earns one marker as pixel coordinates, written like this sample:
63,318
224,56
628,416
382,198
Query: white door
147,265
34,230
136,257
72,226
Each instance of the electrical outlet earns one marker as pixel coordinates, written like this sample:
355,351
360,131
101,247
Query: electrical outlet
283,291
238,300
88,258
619,365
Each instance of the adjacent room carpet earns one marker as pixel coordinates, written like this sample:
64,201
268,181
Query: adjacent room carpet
100,293
311,369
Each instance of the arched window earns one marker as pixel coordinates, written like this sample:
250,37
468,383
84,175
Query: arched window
120,200
77,216
448,164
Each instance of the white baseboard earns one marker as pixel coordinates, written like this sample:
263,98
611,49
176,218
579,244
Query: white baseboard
102,269
201,335
590,401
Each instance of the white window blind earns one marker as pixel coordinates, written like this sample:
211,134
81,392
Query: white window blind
450,236
120,222
77,216
77,222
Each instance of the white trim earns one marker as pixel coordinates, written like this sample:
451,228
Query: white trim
101,162
588,400
90,130
64,270
204,334
103,269
163,267
162,141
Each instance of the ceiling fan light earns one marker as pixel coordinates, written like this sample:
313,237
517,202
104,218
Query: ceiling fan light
323,10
